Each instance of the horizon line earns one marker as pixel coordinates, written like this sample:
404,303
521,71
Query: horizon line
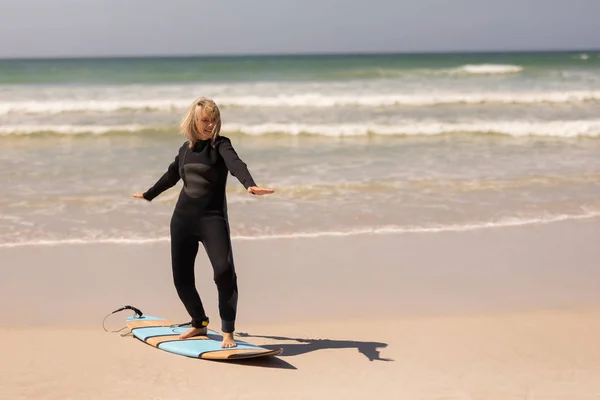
299,54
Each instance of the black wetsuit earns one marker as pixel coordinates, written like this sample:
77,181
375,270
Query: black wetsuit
201,216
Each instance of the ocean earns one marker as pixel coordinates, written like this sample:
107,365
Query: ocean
351,143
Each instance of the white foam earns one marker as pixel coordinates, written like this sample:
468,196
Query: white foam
468,69
316,100
307,99
70,129
69,105
566,129
488,69
513,128
386,230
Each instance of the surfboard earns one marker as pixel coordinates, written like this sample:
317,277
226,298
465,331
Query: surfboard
164,335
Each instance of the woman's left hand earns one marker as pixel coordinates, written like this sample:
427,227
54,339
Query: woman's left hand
259,191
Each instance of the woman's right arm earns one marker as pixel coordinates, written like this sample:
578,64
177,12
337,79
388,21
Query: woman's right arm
168,180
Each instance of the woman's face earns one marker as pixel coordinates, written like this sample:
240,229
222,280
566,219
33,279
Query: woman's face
205,126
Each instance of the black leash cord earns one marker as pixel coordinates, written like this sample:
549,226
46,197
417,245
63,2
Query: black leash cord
137,312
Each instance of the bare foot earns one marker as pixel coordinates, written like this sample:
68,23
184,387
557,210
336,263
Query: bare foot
228,340
194,332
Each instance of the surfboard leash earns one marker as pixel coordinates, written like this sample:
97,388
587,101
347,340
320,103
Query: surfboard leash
137,312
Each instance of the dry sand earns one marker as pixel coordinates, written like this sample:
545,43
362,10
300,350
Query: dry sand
492,314
527,356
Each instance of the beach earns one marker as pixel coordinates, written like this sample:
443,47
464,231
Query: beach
400,201
433,232
507,313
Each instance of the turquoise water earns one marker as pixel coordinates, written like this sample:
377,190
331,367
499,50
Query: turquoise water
371,143
269,68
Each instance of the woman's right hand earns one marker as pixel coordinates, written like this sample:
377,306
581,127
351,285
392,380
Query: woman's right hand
138,195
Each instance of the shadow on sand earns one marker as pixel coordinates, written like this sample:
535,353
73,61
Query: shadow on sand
368,349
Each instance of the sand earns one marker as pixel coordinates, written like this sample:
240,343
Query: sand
507,313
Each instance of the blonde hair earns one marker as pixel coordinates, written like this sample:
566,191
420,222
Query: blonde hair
193,115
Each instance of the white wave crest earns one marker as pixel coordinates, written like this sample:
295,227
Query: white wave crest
386,230
63,106
565,129
512,128
308,100
488,69
6,130
317,100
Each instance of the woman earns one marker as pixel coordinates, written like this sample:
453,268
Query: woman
200,215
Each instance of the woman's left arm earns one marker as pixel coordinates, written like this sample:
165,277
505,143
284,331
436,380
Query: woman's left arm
238,168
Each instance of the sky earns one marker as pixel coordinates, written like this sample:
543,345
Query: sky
86,28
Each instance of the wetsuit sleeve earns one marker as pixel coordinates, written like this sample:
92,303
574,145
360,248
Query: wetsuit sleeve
168,180
234,164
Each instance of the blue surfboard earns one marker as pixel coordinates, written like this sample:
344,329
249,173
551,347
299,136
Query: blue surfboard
164,334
